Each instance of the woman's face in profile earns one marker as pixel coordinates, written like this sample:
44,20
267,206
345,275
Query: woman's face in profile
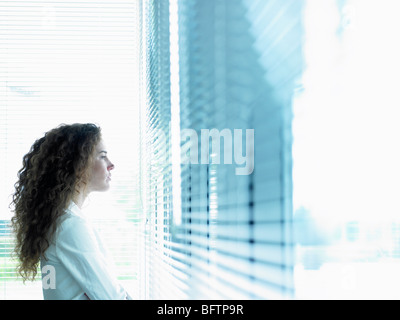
100,172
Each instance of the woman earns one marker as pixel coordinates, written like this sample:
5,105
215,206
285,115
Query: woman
58,173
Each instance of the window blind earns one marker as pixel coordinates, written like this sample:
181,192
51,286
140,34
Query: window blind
161,268
67,62
238,64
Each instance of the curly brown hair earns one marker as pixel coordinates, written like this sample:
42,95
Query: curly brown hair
48,181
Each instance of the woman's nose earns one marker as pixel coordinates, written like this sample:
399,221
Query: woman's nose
110,166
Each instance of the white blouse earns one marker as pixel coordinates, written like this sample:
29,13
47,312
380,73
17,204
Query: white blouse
80,263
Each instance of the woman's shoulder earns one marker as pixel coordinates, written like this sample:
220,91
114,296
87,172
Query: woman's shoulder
70,225
75,231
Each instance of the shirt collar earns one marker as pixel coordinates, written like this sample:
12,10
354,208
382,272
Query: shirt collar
75,210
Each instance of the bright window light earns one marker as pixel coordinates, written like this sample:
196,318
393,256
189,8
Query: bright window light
346,173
